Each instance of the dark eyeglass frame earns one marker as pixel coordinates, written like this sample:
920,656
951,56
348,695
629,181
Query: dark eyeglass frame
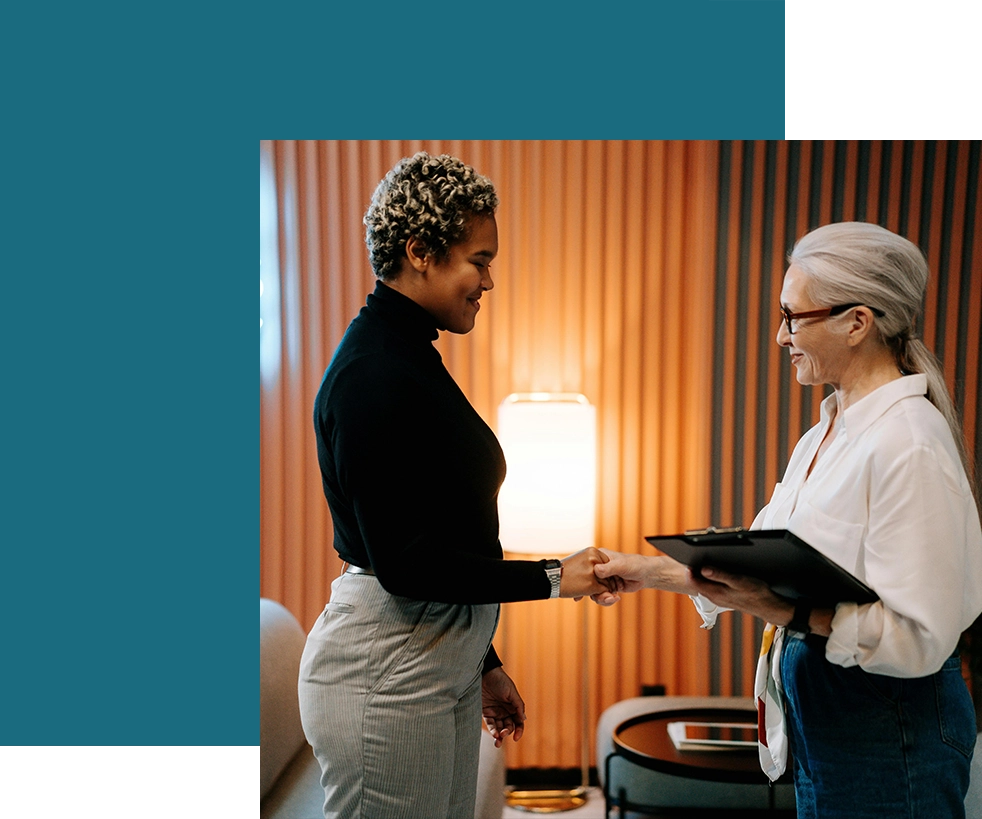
824,312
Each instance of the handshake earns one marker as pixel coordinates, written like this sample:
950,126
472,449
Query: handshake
603,575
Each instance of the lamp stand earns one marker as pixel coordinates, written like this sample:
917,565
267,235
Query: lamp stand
563,799
547,506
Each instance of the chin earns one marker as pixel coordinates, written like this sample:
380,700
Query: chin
801,375
808,380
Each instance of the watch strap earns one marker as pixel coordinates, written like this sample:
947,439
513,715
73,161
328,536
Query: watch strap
554,571
799,620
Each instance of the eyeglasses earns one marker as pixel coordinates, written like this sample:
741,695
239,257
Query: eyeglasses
825,312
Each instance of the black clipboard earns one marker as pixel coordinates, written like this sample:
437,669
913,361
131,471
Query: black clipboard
781,559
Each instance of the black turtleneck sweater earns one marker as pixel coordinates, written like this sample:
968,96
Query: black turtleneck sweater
410,470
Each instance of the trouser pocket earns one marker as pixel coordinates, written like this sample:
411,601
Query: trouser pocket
956,713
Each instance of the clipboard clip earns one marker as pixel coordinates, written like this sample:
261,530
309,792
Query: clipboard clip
713,530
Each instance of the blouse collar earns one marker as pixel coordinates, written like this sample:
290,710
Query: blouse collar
870,407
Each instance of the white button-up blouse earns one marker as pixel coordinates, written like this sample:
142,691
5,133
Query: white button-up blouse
888,501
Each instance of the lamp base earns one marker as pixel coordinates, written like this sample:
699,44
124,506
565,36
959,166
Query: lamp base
546,801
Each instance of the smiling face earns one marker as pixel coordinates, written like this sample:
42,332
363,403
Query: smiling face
449,289
816,351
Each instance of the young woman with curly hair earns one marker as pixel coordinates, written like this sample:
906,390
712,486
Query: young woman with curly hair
399,667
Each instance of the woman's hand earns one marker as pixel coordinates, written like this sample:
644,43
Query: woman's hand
631,573
502,706
578,578
747,594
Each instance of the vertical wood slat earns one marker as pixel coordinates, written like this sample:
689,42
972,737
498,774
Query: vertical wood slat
605,285
927,191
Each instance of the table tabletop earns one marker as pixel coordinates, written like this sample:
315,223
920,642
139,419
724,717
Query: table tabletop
644,740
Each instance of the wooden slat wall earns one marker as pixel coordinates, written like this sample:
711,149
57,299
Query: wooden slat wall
770,194
645,275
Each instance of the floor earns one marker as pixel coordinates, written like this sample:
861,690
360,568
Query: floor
594,809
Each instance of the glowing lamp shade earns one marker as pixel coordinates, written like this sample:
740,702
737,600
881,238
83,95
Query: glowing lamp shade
547,504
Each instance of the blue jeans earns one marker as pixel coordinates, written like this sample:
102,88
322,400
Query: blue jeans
867,745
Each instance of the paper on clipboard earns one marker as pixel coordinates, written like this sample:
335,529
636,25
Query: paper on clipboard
791,567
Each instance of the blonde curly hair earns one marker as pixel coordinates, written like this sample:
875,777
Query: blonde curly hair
429,198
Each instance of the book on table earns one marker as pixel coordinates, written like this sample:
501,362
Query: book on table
712,736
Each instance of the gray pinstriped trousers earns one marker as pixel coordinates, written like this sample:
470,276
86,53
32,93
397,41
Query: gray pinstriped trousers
390,700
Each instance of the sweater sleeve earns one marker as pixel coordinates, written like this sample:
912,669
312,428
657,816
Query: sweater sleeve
491,660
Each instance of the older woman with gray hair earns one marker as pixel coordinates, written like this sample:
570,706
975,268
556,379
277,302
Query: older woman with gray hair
399,668
878,718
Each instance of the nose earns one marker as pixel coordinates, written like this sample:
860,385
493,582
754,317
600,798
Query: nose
486,281
783,336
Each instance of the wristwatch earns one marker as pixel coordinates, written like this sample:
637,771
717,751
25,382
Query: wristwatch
554,571
799,620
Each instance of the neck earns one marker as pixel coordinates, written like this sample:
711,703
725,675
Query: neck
865,374
402,284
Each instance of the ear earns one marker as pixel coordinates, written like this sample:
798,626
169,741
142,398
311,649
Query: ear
860,326
417,254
